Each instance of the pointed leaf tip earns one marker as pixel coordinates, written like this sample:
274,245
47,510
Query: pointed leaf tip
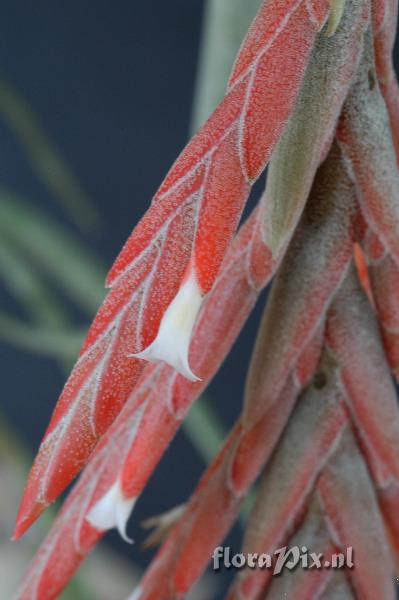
174,335
112,510
26,518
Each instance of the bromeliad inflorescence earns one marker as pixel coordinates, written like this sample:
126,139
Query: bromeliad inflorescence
313,93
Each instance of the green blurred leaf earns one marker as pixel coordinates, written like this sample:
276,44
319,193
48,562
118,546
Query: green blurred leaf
26,285
58,252
47,162
204,429
206,432
225,24
62,344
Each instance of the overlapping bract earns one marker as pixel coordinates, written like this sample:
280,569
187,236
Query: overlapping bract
313,84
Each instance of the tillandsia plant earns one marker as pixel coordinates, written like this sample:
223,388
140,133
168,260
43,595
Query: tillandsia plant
313,93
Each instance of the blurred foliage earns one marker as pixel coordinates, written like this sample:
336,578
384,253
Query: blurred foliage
50,167
50,248
225,24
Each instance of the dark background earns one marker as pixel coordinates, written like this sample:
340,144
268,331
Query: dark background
112,84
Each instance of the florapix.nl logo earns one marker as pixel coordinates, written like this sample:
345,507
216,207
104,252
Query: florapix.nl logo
283,558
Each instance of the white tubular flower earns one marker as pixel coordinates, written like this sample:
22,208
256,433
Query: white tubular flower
112,510
174,335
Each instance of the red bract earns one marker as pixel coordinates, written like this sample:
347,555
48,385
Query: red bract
313,90
182,236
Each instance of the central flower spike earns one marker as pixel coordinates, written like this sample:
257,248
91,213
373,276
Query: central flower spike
173,339
112,510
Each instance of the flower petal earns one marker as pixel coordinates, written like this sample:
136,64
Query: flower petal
173,339
112,510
